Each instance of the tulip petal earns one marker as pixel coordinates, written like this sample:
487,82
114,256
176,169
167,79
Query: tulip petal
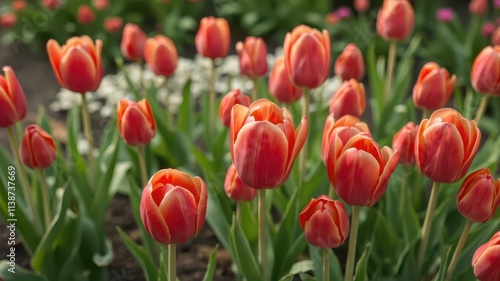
54,51
16,92
321,231
238,116
152,217
390,159
8,113
78,71
307,55
136,129
202,204
486,267
45,148
300,140
178,209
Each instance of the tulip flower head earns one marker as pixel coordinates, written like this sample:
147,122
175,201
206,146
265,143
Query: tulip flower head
446,145
485,72
136,122
213,38
404,143
496,4
227,103
12,100
350,63
280,86
8,20
486,259
433,87
85,15
101,4
495,38
161,55
264,143
361,5
252,54
349,99
133,42
395,20
325,222
19,5
173,206
51,4
478,7
235,188
113,24
488,29
38,148
445,14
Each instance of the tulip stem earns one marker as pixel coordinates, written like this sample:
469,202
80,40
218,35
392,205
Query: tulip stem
87,127
239,209
170,116
426,228
402,197
172,274
458,250
326,265
142,165
141,78
425,114
351,254
480,109
212,99
45,198
262,233
331,192
390,70
25,185
254,90
303,152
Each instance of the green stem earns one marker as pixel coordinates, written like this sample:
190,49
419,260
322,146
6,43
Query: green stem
141,78
458,250
87,127
212,112
172,274
331,192
262,233
254,90
142,165
402,197
238,211
481,108
326,265
303,152
353,236
170,116
425,114
390,71
426,228
45,198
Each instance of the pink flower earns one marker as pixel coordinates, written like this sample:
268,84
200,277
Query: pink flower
445,14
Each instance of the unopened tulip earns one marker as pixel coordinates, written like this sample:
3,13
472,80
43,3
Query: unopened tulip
350,63
19,5
486,259
227,103
264,143
161,55
349,99
113,24
77,65
343,12
404,143
359,170
133,42
361,5
485,72
12,100
136,122
280,86
51,4
496,4
495,38
213,38
101,4
235,188
8,20
325,222
478,7
445,14
487,29
332,19
479,196
173,206
38,148
345,128
307,56
85,15
433,87
395,20
252,54
446,145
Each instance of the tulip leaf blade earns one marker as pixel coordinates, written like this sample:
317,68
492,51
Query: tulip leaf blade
317,259
21,274
361,265
140,255
243,254
185,113
212,264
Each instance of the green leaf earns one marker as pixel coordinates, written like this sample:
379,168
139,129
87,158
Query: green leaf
361,266
317,259
211,266
186,114
20,274
243,255
140,255
445,258
162,270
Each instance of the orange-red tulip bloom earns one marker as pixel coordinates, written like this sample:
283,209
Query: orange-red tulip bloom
485,72
85,15
113,24
38,148
51,4
264,143
235,188
486,259
136,122
325,222
133,42
307,56
213,38
173,206
280,86
349,99
478,7
161,55
8,20
433,87
227,103
101,4
12,100
395,20
404,143
77,65
252,54
350,63
361,5
446,145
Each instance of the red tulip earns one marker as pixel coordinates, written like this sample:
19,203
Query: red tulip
227,103
307,56
252,54
479,196
433,87
350,63
12,100
213,38
485,72
264,143
8,20
101,4
280,86
38,148
478,7
486,259
18,5
325,222
487,29
161,55
395,20
133,42
361,5
113,24
51,4
349,99
85,15
235,188
136,122
77,64
446,145
173,206
404,143
359,170
495,38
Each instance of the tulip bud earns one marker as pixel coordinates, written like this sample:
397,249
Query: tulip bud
446,145
235,188
404,143
38,148
307,56
161,55
113,24
173,206
361,5
325,222
213,38
395,20
280,86
85,14
136,122
227,103
77,65
348,100
433,87
445,15
495,38
101,4
350,63
252,54
478,7
12,100
486,259
264,143
133,42
496,4
8,20
18,5
479,196
488,29
485,72
51,4
332,19
343,12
